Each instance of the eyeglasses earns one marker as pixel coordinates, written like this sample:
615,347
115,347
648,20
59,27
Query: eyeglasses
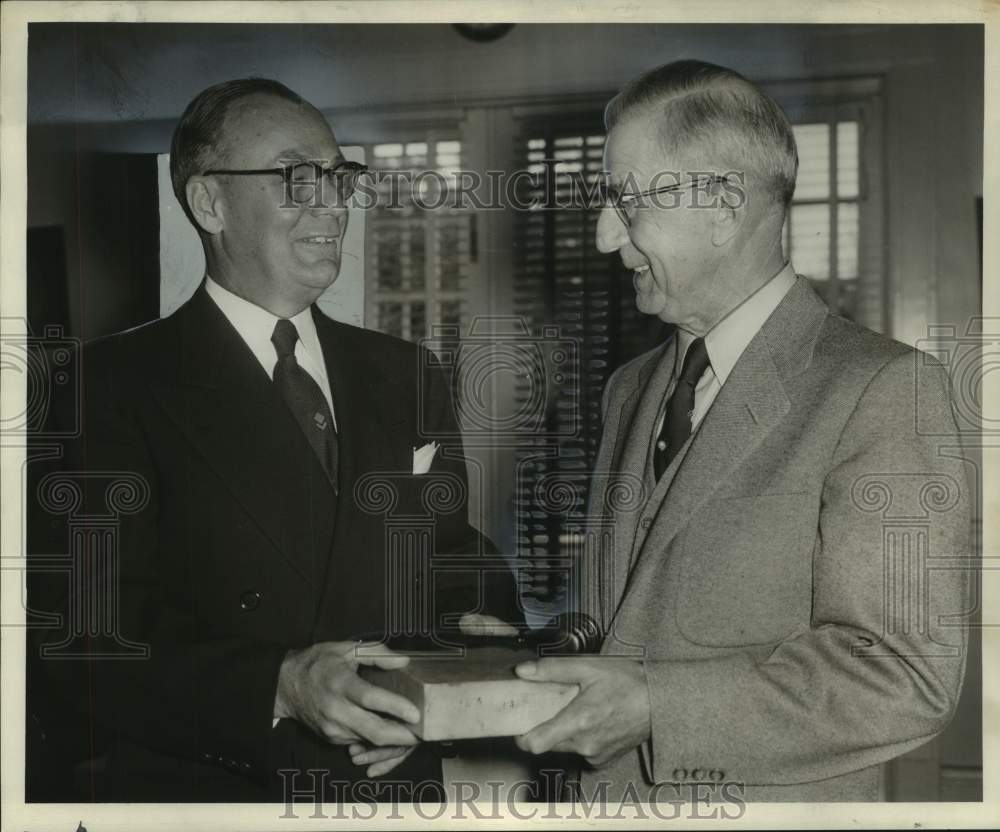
304,181
625,204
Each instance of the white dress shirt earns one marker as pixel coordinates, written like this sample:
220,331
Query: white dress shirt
725,343
255,326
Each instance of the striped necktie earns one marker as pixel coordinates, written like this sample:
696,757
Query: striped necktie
304,398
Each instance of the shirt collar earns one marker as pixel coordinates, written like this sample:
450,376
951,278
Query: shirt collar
255,324
727,340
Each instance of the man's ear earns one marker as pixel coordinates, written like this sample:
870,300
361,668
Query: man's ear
205,203
729,214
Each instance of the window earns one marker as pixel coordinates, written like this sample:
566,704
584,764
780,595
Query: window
835,229
821,232
419,247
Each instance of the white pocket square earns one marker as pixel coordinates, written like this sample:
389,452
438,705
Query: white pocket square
423,457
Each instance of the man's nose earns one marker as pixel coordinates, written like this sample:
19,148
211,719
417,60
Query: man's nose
611,231
330,206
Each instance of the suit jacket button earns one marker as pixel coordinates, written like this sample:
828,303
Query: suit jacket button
680,774
207,757
245,767
647,522
250,600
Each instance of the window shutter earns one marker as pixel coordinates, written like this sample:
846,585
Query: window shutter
561,279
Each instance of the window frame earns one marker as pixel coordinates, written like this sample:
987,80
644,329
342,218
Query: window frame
859,99
431,295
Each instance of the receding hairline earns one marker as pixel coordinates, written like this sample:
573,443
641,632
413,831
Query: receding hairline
241,107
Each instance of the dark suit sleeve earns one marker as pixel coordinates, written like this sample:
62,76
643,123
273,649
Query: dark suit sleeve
145,672
879,670
492,591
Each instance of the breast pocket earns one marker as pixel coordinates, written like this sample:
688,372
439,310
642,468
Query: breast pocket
746,569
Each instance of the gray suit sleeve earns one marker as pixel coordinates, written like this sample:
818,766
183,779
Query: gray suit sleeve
879,669
606,396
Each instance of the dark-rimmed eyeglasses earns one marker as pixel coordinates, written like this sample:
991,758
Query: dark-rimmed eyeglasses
306,182
626,204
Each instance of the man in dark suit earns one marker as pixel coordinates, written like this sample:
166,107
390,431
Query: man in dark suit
264,444
774,479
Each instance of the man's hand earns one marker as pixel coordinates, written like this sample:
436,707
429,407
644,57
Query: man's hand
319,686
606,719
380,760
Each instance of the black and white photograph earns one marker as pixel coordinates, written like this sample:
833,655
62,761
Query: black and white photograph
419,415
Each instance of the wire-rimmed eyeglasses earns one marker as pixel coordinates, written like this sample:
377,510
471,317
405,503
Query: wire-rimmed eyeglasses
625,204
305,181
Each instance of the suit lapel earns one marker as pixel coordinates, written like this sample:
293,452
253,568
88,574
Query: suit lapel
748,407
617,471
222,400
618,426
636,405
363,400
371,424
636,438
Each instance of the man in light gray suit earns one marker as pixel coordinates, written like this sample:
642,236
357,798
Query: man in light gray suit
771,622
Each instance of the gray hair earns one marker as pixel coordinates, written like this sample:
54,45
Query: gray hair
712,117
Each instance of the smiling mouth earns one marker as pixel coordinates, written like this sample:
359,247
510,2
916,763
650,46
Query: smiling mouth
319,241
640,271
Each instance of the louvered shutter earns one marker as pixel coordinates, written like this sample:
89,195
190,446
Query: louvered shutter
561,279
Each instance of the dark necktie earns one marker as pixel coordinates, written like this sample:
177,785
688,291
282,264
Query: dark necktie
304,398
677,423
